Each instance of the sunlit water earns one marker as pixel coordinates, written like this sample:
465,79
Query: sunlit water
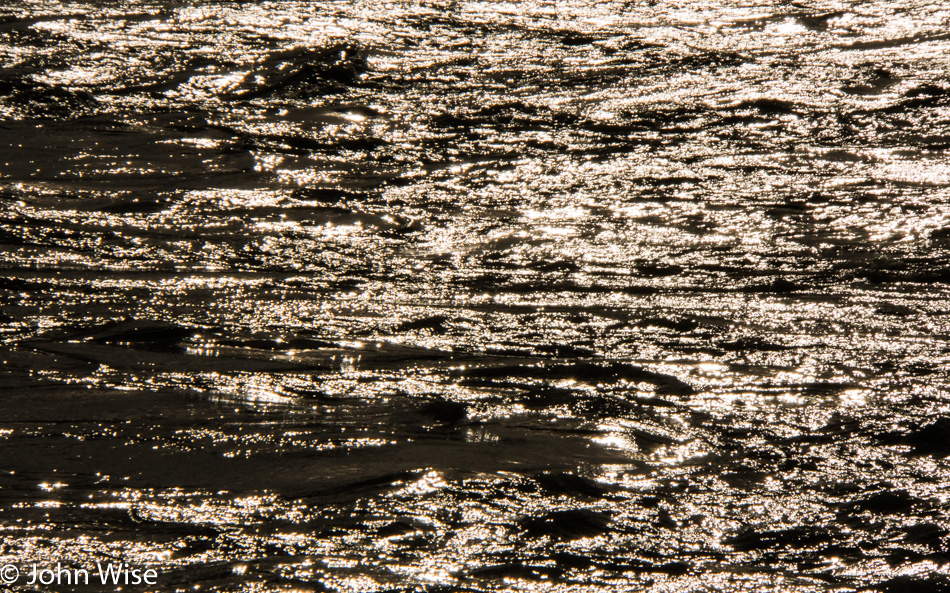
477,296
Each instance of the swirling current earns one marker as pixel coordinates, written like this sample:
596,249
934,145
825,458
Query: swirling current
478,296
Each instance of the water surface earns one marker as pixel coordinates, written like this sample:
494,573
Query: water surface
477,296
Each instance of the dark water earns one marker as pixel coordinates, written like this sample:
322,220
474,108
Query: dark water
535,296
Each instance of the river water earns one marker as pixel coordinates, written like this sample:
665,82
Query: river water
477,296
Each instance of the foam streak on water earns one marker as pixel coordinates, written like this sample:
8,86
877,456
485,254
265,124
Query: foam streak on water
478,296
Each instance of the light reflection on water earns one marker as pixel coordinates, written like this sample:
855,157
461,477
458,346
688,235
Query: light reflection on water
484,296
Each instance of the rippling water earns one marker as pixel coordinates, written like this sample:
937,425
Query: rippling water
477,296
